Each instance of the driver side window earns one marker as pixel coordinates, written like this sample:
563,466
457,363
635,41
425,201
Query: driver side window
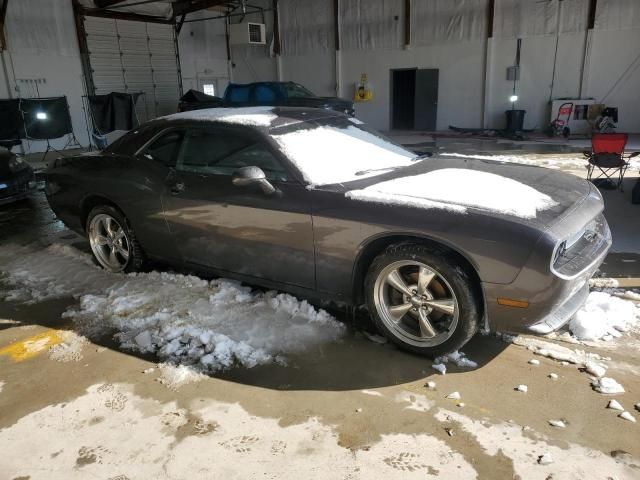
222,152
165,148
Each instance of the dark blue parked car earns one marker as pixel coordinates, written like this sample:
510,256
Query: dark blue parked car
288,94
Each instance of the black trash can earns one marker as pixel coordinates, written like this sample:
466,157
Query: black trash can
515,120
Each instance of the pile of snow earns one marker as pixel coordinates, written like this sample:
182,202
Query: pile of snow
182,319
603,316
627,416
327,155
557,423
175,376
545,459
440,367
70,350
459,358
554,351
456,189
607,385
253,116
615,405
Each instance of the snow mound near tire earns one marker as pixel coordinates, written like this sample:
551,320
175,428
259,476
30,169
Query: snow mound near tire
182,319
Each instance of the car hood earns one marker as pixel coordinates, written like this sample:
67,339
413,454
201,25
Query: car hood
527,193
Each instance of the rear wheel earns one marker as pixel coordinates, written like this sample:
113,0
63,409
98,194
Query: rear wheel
113,241
421,299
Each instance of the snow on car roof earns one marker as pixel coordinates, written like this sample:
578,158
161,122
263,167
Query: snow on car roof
253,116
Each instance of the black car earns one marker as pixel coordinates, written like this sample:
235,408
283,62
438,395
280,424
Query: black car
288,94
313,202
196,100
16,177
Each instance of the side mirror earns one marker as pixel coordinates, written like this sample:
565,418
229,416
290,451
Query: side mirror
246,176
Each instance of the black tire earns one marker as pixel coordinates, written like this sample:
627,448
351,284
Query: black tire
137,258
460,282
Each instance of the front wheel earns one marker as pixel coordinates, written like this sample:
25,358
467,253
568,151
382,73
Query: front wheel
422,299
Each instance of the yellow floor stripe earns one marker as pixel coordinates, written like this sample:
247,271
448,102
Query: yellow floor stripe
31,346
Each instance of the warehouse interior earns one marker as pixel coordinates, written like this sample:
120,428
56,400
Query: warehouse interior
568,49
167,315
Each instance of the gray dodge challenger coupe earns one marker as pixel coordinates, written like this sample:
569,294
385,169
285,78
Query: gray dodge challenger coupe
313,202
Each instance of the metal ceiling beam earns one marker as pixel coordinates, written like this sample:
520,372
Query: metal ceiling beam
136,17
182,7
593,8
276,28
491,7
107,3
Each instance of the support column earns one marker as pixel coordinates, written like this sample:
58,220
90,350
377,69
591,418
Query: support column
338,56
488,60
586,49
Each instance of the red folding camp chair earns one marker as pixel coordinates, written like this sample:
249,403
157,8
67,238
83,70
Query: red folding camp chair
608,158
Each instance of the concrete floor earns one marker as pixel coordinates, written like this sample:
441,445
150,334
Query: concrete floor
352,409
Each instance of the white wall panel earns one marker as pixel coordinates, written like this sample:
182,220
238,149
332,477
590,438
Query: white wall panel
441,21
369,24
617,14
460,81
203,53
306,27
42,45
320,79
613,74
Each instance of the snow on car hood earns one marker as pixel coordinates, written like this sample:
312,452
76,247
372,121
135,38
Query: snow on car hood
457,189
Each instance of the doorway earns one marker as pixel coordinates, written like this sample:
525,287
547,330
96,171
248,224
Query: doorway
414,98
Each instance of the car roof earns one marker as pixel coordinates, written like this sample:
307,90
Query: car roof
259,117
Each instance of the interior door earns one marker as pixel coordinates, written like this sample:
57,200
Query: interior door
403,86
239,229
426,99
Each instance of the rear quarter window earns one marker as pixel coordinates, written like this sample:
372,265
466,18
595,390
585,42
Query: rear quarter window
131,141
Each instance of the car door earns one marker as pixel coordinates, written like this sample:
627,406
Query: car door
141,187
239,229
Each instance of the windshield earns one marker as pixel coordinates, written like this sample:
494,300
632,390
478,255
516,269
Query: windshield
295,90
339,150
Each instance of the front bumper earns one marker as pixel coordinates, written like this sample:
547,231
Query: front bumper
18,188
554,291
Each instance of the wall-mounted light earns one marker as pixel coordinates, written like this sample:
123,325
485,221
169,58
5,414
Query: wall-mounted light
513,98
41,115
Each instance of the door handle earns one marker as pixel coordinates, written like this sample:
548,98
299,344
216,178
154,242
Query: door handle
177,188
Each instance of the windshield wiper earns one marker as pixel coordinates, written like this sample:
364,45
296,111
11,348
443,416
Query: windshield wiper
422,156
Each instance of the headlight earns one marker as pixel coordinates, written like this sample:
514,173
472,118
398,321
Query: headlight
16,164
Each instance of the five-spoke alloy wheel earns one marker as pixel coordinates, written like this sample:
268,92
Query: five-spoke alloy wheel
112,240
109,242
422,299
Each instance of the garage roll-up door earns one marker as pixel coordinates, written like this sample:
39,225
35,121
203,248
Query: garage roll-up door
132,56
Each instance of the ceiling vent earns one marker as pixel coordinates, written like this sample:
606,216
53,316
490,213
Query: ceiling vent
247,34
